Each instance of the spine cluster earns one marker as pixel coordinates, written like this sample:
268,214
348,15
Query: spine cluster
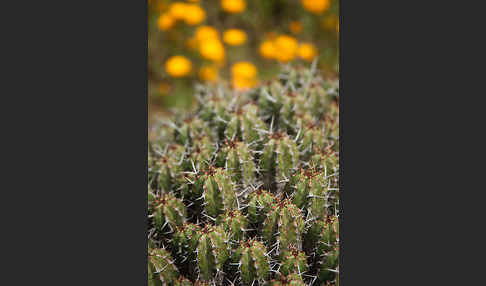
244,190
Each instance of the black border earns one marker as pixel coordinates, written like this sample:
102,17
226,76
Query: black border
79,166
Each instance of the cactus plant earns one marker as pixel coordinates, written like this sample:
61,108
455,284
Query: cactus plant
244,189
289,280
285,225
260,203
234,223
212,251
161,267
254,263
293,261
168,210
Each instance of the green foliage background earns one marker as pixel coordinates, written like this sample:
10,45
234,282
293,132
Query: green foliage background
259,18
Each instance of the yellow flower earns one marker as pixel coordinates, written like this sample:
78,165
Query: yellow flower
244,75
178,10
244,70
285,48
212,49
295,27
195,1
316,6
267,49
178,66
234,37
307,51
233,6
165,22
208,73
194,14
243,84
206,32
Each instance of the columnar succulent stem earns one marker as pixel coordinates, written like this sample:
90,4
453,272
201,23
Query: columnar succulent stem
254,264
235,224
161,267
293,261
212,252
244,189
169,210
285,225
260,204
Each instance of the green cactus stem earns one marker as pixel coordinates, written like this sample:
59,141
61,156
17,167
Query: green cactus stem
289,280
169,210
330,261
235,224
285,225
293,261
161,267
213,251
254,262
260,204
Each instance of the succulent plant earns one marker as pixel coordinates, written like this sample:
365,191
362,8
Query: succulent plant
328,265
168,210
161,267
289,280
212,251
293,261
244,188
285,225
235,224
254,263
184,244
260,204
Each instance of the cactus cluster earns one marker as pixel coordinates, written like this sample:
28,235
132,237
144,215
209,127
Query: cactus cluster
244,189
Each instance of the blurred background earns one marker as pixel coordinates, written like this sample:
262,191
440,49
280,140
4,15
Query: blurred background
237,43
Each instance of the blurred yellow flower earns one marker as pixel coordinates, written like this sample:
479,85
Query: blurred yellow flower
194,14
244,70
194,1
233,6
208,73
165,22
330,22
267,49
295,27
234,37
316,6
285,48
244,75
243,83
178,10
307,51
178,66
206,32
212,49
